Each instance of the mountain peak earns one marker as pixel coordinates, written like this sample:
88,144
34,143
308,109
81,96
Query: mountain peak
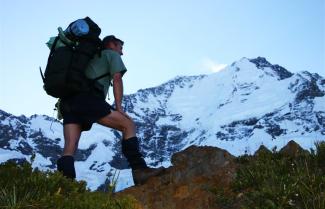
279,71
260,62
3,115
237,109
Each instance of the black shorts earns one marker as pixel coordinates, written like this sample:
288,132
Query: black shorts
84,109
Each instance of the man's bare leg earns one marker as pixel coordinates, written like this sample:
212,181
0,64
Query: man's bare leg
118,121
130,146
72,133
65,164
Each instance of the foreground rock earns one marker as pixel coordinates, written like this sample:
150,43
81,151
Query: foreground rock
195,173
188,182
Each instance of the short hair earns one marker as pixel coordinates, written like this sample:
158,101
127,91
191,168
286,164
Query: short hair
111,38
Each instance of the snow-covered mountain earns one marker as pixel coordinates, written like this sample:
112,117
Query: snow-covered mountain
249,103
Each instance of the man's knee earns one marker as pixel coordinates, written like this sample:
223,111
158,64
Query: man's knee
130,125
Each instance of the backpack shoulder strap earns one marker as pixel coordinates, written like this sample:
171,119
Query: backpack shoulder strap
100,77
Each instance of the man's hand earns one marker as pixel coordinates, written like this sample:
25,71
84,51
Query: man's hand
120,110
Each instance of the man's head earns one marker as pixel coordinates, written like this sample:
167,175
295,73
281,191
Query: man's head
113,43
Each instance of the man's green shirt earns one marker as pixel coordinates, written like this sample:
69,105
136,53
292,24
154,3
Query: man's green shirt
109,62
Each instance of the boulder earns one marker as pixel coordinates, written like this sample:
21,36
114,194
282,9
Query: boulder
293,149
188,183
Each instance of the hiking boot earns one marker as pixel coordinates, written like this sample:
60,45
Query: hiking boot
140,176
65,165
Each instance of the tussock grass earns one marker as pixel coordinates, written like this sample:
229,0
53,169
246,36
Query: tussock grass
273,180
23,188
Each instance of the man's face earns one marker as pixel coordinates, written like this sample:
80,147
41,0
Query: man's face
116,46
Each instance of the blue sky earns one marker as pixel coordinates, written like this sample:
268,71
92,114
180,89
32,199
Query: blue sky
163,39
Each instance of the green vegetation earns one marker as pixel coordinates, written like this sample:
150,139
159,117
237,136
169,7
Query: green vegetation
276,180
289,179
23,188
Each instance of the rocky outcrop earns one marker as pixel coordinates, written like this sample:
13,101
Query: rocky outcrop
293,149
187,183
195,172
281,72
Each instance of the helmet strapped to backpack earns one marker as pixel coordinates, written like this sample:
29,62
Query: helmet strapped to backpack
70,54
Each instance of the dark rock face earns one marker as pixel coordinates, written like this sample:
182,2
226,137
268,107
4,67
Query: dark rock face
14,128
274,130
16,135
13,131
307,87
237,130
4,115
260,62
46,147
321,121
158,142
281,72
118,161
309,90
83,154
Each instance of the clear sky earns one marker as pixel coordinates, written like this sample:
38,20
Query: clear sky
163,39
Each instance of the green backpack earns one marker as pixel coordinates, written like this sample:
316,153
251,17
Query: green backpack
70,54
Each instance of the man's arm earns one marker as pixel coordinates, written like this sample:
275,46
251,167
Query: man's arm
118,93
118,90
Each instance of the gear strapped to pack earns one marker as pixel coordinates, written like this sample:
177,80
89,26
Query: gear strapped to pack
71,51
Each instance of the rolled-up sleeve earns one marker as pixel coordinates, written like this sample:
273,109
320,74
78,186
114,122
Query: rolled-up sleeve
116,63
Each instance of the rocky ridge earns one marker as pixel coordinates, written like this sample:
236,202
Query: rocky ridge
195,172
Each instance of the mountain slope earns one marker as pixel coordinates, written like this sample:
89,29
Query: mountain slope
249,103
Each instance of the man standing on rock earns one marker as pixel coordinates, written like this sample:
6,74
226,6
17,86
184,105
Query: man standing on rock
80,111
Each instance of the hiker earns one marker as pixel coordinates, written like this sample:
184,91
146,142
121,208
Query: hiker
80,111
